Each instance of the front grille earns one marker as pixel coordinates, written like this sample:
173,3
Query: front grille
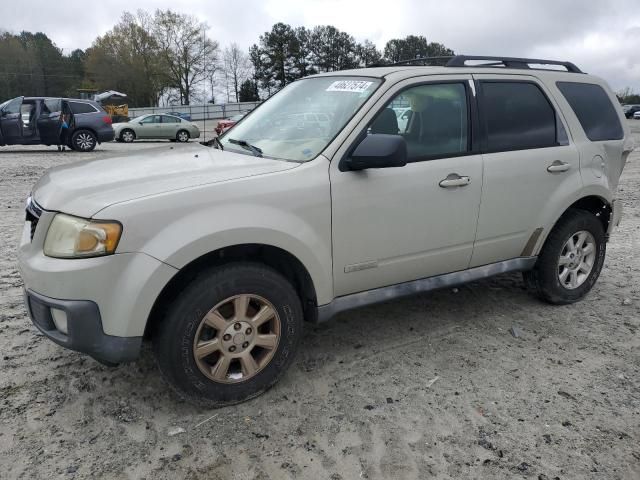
33,212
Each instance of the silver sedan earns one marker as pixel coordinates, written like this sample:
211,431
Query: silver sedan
166,127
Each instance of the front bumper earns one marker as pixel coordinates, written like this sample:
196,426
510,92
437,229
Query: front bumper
84,328
107,299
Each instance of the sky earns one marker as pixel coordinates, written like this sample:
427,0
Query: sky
602,37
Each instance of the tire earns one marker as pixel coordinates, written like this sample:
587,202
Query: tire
221,289
552,279
83,141
182,136
127,135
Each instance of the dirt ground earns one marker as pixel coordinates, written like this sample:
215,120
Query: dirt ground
434,386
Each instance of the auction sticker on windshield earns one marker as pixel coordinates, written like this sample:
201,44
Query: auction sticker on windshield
355,86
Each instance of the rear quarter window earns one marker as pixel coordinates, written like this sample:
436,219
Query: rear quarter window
594,110
81,107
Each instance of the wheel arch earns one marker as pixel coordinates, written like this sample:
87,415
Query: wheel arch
89,129
277,258
596,204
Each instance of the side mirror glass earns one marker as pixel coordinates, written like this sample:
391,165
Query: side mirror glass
377,150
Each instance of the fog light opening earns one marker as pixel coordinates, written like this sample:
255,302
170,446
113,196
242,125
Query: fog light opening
59,319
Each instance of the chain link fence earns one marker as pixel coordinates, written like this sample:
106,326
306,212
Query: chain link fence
199,112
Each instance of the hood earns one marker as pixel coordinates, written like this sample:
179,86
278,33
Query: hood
85,188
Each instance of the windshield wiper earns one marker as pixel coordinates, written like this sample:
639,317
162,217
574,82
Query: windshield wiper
214,142
244,144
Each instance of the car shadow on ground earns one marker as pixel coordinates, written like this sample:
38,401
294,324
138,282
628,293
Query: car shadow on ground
370,334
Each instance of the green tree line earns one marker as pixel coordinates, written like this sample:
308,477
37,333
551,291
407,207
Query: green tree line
169,56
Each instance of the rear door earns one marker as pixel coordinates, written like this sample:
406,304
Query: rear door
11,121
50,121
170,126
531,167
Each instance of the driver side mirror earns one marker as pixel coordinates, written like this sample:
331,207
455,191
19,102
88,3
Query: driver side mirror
377,150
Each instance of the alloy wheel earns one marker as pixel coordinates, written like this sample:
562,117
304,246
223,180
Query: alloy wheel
84,141
237,338
577,259
183,136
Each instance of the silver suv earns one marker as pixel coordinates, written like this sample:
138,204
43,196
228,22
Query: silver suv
219,255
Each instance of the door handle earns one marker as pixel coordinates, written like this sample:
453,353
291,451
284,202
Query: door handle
558,166
454,180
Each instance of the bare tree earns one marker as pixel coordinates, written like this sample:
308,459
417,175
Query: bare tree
187,51
237,68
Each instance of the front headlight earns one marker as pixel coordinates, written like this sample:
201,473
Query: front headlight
73,237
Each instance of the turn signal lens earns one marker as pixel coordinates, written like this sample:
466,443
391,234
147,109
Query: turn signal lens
73,237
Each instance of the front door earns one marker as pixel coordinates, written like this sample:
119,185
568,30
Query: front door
150,127
530,166
11,121
399,224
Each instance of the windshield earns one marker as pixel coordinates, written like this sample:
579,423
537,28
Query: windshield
300,120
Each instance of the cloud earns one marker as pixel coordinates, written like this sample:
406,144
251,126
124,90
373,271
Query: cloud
600,37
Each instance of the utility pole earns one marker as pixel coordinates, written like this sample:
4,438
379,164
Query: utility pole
204,84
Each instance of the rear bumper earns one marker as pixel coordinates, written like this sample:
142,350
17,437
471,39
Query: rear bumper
84,328
616,215
106,136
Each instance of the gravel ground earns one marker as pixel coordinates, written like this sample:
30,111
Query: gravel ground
434,385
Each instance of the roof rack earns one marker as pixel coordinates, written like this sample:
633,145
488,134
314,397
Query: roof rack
507,62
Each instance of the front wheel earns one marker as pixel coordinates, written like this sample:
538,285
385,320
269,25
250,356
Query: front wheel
230,335
127,135
83,141
182,136
571,259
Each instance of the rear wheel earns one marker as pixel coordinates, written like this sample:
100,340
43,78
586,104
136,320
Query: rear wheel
127,135
182,136
571,259
83,141
230,335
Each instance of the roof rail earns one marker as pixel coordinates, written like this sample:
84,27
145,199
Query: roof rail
508,62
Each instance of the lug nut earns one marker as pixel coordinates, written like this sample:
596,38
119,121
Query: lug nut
232,348
245,344
226,337
237,326
248,332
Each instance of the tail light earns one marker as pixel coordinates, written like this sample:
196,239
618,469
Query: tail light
107,119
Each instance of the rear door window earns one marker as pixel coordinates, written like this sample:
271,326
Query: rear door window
81,107
52,105
516,116
594,110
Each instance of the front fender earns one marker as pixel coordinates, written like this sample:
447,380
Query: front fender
288,209
247,224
